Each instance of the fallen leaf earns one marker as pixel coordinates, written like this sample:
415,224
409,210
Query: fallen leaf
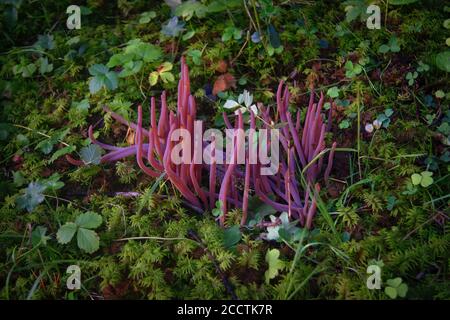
222,66
130,136
223,83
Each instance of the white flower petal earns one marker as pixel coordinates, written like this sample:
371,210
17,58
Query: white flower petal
241,98
248,98
254,108
242,109
369,128
377,124
230,104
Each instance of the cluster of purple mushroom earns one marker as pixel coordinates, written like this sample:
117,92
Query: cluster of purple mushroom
203,185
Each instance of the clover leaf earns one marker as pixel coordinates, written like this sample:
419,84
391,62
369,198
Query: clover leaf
425,179
395,288
392,46
274,264
333,92
231,32
352,70
162,72
87,239
102,77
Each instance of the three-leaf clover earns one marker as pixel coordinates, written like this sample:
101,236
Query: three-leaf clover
352,70
102,77
87,239
196,56
395,288
411,76
392,46
231,32
162,72
425,179
136,53
218,210
423,67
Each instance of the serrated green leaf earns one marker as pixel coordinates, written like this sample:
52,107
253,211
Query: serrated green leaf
98,69
87,240
146,17
333,92
165,67
153,78
45,146
95,84
167,77
89,220
66,232
32,196
91,154
111,81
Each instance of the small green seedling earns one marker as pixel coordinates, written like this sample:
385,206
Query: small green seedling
391,46
231,32
411,77
425,179
352,70
395,288
218,210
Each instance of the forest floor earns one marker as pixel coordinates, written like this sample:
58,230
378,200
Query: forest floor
386,204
